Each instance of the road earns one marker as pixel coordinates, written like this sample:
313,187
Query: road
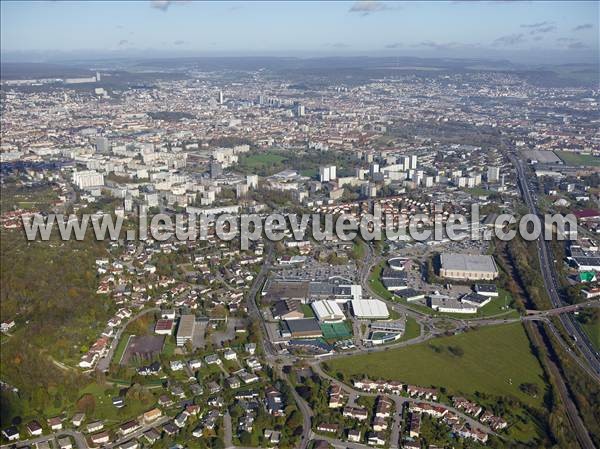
80,442
577,424
399,402
227,431
138,433
428,330
550,278
270,352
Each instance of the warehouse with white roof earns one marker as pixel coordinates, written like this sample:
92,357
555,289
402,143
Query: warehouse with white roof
369,309
328,311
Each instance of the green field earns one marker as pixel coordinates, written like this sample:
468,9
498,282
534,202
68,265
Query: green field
376,285
412,330
307,311
478,191
571,158
121,348
106,411
495,360
593,332
335,331
261,160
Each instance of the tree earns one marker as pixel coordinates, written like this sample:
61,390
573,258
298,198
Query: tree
86,404
245,438
530,389
294,420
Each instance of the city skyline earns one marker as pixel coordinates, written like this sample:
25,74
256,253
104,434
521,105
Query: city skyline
537,32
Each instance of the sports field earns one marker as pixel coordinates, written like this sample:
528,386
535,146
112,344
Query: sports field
571,158
335,331
494,360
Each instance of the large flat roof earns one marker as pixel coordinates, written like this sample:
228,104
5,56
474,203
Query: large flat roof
303,325
369,308
186,326
467,262
327,310
276,290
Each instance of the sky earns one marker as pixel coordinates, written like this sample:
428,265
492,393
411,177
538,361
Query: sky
539,31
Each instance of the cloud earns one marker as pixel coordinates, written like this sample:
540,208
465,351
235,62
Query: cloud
566,39
340,45
542,30
510,40
538,38
491,2
583,26
536,25
178,42
576,45
444,45
366,7
123,42
539,27
395,45
163,5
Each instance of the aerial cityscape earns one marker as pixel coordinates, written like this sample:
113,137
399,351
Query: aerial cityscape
289,224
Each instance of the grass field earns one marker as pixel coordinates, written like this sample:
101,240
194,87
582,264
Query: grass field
593,332
307,311
412,329
478,191
106,411
261,160
376,285
121,348
571,158
495,360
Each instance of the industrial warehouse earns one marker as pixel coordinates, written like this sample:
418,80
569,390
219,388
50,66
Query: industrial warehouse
468,267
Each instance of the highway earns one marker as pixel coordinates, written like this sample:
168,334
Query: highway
572,413
550,278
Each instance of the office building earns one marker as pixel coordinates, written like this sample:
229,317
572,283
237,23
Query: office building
216,169
374,168
241,190
413,161
405,163
252,181
493,174
299,110
88,178
102,145
328,173
368,190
